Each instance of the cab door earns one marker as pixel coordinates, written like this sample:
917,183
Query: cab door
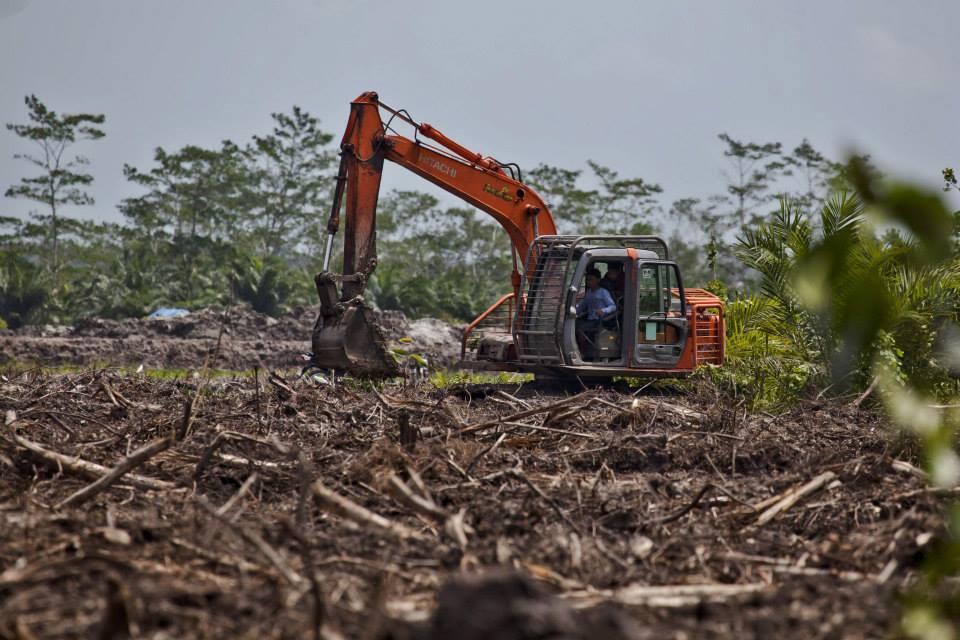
660,315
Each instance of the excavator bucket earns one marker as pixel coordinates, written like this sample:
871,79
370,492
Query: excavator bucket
352,341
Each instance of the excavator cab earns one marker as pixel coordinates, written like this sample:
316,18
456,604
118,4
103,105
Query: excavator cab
659,328
647,330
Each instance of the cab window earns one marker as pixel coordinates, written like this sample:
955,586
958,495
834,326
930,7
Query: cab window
654,289
656,302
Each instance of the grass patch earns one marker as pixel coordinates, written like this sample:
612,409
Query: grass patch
446,379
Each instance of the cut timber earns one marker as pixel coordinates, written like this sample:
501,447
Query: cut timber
905,467
123,467
336,503
682,595
81,467
794,495
676,409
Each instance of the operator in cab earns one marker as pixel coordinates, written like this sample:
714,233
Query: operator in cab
596,303
613,281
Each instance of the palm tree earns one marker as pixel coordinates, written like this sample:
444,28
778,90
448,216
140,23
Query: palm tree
828,290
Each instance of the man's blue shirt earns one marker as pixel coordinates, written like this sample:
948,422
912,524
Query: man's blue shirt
596,303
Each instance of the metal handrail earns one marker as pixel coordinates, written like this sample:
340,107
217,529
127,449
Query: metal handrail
468,331
696,307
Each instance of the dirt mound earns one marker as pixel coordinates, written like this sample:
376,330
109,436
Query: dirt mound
246,339
435,340
261,507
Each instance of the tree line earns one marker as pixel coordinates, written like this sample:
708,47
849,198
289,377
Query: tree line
242,222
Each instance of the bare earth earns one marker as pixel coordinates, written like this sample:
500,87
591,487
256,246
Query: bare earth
241,338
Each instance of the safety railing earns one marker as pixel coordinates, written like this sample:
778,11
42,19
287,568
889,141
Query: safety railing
709,327
498,319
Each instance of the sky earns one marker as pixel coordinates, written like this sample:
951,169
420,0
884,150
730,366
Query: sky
641,86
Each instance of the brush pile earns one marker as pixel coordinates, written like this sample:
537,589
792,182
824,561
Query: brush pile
273,508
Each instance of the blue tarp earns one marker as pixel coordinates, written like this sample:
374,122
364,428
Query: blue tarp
168,312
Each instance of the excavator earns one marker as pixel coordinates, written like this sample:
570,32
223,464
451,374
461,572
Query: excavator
646,323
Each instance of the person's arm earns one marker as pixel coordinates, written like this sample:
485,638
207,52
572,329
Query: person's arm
580,305
609,306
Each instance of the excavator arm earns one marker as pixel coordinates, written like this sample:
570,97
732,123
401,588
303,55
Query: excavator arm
346,335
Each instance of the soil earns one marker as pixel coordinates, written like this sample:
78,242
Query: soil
272,507
247,339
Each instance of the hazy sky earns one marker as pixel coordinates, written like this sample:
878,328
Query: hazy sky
644,87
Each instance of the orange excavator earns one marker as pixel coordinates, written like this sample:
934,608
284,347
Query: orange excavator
556,322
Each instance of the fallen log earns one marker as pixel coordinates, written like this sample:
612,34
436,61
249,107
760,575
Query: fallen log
667,596
683,594
85,468
344,507
792,496
130,462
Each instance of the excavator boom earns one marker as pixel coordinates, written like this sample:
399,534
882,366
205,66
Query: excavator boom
346,336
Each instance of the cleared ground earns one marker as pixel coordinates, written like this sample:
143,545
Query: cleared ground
240,338
266,506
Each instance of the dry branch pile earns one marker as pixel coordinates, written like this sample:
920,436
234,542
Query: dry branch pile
138,507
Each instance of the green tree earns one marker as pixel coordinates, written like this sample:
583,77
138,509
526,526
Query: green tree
445,262
755,168
624,206
289,182
572,207
193,192
62,179
815,172
190,219
613,205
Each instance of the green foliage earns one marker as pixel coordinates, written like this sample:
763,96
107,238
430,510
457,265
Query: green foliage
404,356
447,379
861,286
764,363
267,284
24,289
62,180
615,205
772,250
449,263
833,298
